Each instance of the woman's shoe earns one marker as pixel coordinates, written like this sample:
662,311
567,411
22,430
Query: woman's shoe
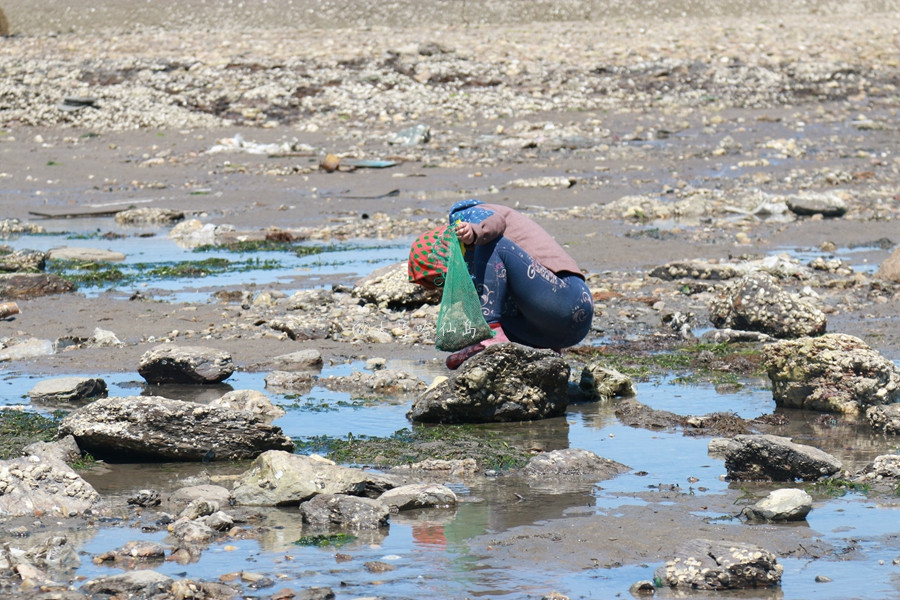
459,357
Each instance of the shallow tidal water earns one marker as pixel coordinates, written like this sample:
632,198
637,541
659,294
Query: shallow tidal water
431,551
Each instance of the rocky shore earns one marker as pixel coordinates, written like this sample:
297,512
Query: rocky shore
728,181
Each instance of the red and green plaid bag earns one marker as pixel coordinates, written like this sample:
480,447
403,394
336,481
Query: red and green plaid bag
428,258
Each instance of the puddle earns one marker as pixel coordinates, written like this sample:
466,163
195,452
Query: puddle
862,259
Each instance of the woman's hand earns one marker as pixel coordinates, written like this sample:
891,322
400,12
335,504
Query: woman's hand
465,232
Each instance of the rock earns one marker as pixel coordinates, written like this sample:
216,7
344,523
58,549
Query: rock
148,216
40,484
64,450
695,269
278,478
193,234
302,360
131,584
145,498
720,565
287,382
834,373
827,204
192,532
884,467
642,588
134,552
890,268
733,336
597,382
68,389
21,349
156,428
23,261
383,382
411,136
418,496
573,462
774,458
85,254
250,401
179,499
780,505
22,286
757,303
350,512
168,363
300,328
390,287
505,382
885,418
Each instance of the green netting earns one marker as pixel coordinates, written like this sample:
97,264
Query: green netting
460,322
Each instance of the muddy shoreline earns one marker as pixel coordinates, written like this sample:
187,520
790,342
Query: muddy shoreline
720,112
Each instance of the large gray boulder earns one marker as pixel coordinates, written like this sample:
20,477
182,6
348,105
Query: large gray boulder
278,478
756,302
775,458
505,382
40,484
834,373
704,564
168,363
156,428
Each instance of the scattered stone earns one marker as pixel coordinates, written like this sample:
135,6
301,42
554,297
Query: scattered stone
377,566
775,458
834,373
757,303
351,512
720,565
168,363
156,428
505,382
780,505
823,579
643,588
68,390
418,496
178,500
695,269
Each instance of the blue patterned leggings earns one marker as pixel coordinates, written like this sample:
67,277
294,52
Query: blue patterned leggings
534,306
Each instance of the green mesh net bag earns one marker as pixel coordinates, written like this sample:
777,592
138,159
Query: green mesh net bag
460,322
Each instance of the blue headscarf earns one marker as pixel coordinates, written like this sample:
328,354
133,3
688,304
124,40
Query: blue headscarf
469,211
